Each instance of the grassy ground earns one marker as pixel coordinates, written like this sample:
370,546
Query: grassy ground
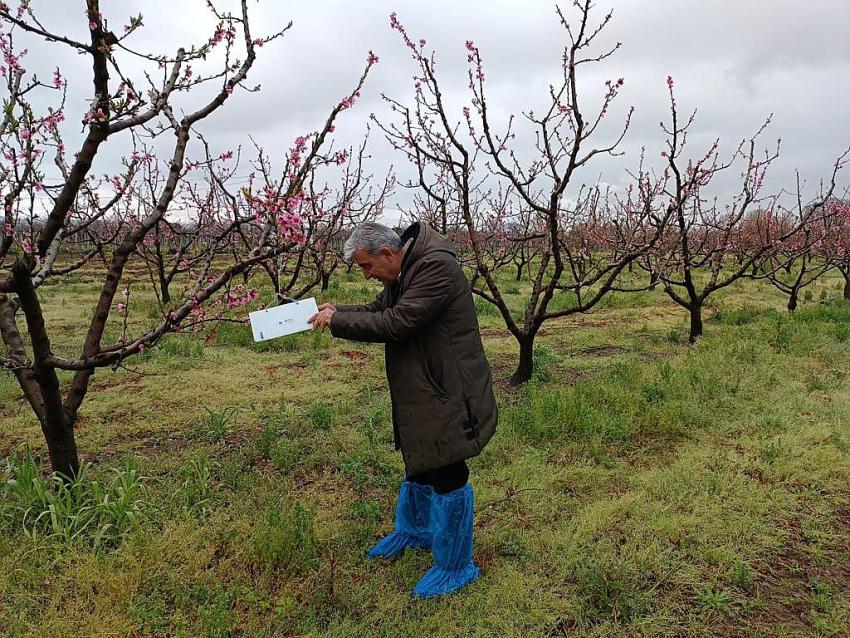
637,486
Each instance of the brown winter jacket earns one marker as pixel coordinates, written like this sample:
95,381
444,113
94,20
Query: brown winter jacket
444,410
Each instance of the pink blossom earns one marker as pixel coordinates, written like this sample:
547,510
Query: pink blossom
669,81
95,116
222,33
296,151
241,296
57,79
371,58
51,122
13,62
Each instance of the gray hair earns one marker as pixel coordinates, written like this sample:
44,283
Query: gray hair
370,237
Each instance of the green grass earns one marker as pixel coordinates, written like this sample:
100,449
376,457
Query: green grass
637,486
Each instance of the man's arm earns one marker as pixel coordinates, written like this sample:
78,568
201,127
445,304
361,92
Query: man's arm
431,290
321,319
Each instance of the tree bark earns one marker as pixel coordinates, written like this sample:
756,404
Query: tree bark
163,286
792,301
525,368
654,278
56,423
61,446
696,322
846,285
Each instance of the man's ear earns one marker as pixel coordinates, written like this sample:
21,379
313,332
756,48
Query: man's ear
385,252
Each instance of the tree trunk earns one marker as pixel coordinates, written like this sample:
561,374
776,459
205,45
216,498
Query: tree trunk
62,447
653,280
696,322
519,271
163,291
792,301
326,278
43,390
846,286
163,282
526,361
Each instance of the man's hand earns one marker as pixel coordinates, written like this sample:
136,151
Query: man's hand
322,319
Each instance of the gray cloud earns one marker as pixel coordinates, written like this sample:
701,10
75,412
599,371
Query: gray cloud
736,62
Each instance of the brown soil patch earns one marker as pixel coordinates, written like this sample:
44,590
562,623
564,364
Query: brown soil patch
357,358
783,583
140,443
495,333
115,380
7,445
601,351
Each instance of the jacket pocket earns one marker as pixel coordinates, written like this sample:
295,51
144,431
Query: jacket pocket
432,381
420,354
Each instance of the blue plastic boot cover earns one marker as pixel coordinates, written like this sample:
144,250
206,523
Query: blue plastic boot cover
451,523
412,522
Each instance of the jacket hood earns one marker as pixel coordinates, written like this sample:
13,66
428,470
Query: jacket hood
425,240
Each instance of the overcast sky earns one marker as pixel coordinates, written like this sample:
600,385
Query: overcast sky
736,62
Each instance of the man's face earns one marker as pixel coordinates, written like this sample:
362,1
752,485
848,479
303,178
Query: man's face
384,266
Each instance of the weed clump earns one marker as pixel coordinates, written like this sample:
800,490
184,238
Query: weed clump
284,540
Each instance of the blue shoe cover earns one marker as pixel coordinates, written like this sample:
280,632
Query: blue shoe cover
451,523
412,522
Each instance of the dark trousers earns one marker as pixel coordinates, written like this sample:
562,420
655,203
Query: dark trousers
444,479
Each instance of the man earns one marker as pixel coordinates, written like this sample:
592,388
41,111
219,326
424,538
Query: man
443,407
